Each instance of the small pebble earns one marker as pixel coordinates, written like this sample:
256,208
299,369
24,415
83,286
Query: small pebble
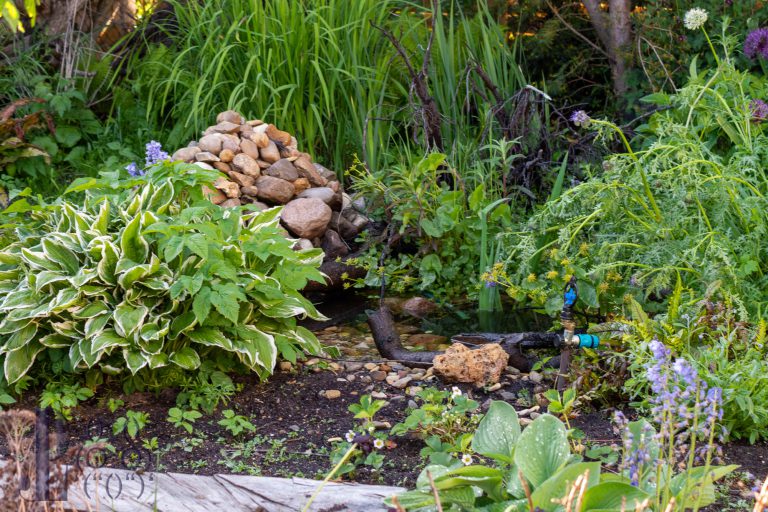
371,367
495,387
286,366
412,404
332,394
379,395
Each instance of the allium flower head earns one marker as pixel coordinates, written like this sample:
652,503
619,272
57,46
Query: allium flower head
756,44
695,18
581,119
759,110
466,459
378,444
155,153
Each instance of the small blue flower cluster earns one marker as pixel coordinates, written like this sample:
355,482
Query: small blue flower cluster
153,154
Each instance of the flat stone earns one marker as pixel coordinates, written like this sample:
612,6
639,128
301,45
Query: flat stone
211,143
242,179
535,376
206,156
185,154
250,190
260,139
419,307
231,142
250,148
332,394
230,116
327,195
231,203
301,185
230,188
270,153
379,376
246,165
371,367
282,169
226,127
305,218
275,190
379,395
325,172
307,169
333,246
398,382
214,195
278,135
223,167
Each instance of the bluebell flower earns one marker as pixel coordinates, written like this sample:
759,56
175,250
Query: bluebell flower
133,169
155,153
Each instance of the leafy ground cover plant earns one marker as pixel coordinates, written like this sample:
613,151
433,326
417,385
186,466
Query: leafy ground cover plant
145,279
445,421
362,445
683,200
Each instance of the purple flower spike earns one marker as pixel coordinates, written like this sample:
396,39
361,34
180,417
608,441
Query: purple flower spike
155,153
756,44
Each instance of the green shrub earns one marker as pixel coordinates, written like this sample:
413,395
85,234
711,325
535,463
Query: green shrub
151,276
689,203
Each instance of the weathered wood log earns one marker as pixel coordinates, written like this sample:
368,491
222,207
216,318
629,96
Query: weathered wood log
128,491
388,342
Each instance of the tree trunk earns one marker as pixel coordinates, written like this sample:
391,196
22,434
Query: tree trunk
614,30
104,20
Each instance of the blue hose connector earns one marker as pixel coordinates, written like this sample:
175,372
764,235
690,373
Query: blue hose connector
588,341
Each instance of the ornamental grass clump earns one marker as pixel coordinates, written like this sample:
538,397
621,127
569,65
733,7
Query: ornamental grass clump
145,279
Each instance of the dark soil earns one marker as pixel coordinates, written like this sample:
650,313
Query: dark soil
294,425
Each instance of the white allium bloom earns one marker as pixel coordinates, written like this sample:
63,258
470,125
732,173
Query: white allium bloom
378,444
695,18
466,459
350,436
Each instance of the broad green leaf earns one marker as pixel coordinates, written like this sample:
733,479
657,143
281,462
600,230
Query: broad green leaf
263,345
108,262
133,245
96,324
135,360
558,485
39,260
46,277
182,323
19,361
498,432
613,496
210,336
56,341
186,357
61,255
542,449
107,339
202,304
20,337
226,304
128,318
173,248
198,244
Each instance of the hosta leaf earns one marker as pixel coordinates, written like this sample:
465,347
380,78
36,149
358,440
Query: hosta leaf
185,357
20,299
20,337
307,339
95,325
211,337
93,309
61,255
106,266
102,220
9,258
542,449
182,323
158,360
47,277
9,327
154,331
83,277
261,347
133,245
135,360
131,275
39,260
558,485
56,341
18,362
67,328
90,355
65,299
128,318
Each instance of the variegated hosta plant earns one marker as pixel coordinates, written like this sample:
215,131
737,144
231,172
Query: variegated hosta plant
148,281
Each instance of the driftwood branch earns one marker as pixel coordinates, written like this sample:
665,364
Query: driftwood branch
388,342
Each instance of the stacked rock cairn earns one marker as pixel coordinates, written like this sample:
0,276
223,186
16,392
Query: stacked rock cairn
264,168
